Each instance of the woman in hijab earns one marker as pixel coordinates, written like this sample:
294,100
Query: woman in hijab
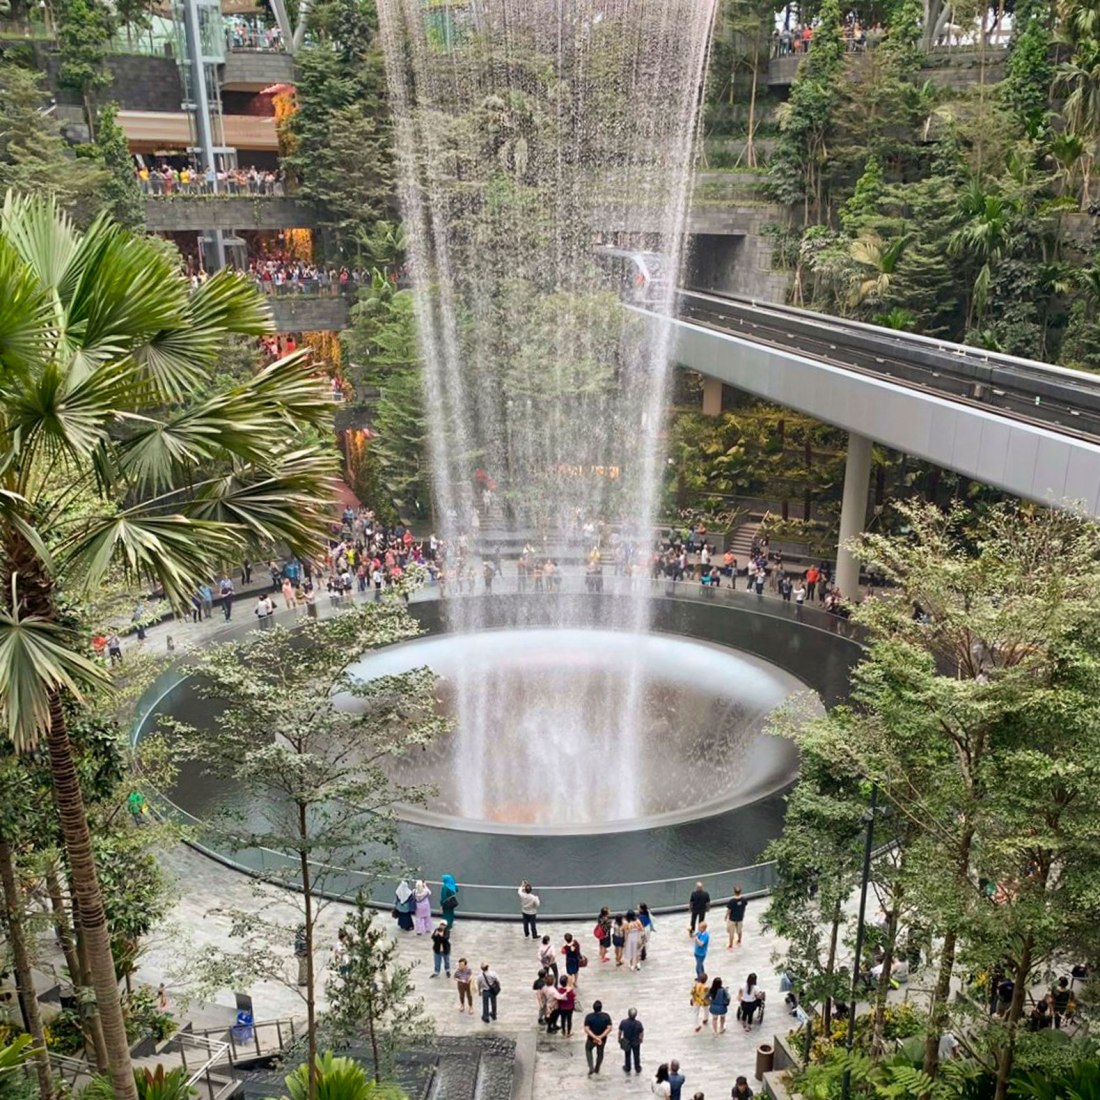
423,920
403,906
448,899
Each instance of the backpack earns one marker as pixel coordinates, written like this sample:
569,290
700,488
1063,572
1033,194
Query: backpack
494,986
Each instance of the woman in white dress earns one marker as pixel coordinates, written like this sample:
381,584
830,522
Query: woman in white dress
632,949
661,1086
423,917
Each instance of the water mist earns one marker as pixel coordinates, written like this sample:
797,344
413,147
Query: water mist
530,134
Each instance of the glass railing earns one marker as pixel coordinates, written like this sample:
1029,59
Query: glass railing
478,900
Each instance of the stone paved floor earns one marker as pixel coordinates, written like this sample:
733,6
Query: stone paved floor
659,991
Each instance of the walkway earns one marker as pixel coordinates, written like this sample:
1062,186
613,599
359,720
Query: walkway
185,633
659,991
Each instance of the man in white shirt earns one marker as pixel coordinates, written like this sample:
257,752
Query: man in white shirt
529,903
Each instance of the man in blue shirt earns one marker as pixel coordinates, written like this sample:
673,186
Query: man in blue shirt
675,1080
630,1039
702,942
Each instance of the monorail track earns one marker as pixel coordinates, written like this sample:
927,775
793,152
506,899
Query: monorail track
1062,401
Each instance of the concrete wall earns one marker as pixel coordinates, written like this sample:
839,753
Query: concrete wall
255,69
949,68
958,69
194,213
739,265
299,314
138,83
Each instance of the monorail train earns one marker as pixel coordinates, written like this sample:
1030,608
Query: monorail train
641,277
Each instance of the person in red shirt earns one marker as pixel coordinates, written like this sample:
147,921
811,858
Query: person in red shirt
812,577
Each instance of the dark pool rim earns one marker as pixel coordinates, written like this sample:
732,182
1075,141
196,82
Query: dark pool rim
768,629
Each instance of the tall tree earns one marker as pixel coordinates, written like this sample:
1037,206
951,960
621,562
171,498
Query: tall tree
979,652
340,133
100,343
121,196
34,157
84,32
818,861
373,994
382,346
808,117
322,774
16,814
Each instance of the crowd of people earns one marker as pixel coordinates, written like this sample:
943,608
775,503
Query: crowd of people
559,962
365,558
249,32
276,277
686,554
171,179
797,40
623,939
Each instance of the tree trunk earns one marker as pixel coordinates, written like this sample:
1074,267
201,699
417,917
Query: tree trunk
750,144
311,997
93,1033
24,980
878,1027
937,1010
62,926
830,966
89,899
89,1015
89,114
372,1031
1007,1054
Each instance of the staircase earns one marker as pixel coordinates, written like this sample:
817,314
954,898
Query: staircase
741,541
257,1043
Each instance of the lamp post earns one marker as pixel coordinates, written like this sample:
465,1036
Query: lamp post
869,817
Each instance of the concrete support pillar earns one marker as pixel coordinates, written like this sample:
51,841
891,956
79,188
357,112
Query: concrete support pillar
712,396
853,512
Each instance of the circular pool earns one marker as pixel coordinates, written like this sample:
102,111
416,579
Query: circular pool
541,795
583,730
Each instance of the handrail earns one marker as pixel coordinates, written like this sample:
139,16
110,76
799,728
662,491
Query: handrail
78,1067
214,1050
236,1050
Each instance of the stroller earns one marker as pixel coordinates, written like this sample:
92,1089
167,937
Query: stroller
754,1015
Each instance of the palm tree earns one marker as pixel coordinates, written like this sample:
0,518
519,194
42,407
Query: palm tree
108,469
981,240
897,317
1068,153
869,250
1079,80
